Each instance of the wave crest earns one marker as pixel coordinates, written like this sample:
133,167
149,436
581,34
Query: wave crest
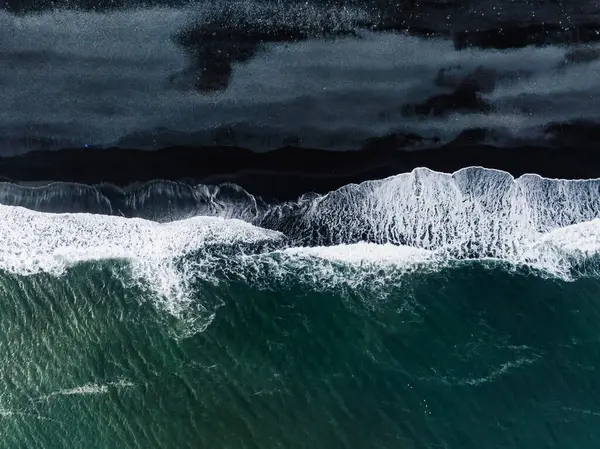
474,213
34,242
360,236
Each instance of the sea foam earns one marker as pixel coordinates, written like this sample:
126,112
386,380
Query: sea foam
474,213
34,242
360,236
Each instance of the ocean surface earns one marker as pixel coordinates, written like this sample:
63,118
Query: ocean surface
425,310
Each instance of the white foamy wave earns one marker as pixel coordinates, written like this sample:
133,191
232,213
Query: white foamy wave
474,213
376,268
364,253
360,236
358,267
34,242
567,252
582,238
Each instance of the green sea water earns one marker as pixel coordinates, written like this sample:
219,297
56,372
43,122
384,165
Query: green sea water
469,355
425,310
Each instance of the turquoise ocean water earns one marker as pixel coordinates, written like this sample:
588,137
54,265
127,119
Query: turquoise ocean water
422,311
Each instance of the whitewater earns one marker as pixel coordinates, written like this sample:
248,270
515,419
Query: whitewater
364,237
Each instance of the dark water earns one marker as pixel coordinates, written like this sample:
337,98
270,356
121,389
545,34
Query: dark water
468,356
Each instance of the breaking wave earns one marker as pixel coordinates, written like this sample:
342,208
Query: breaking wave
471,214
34,242
359,236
